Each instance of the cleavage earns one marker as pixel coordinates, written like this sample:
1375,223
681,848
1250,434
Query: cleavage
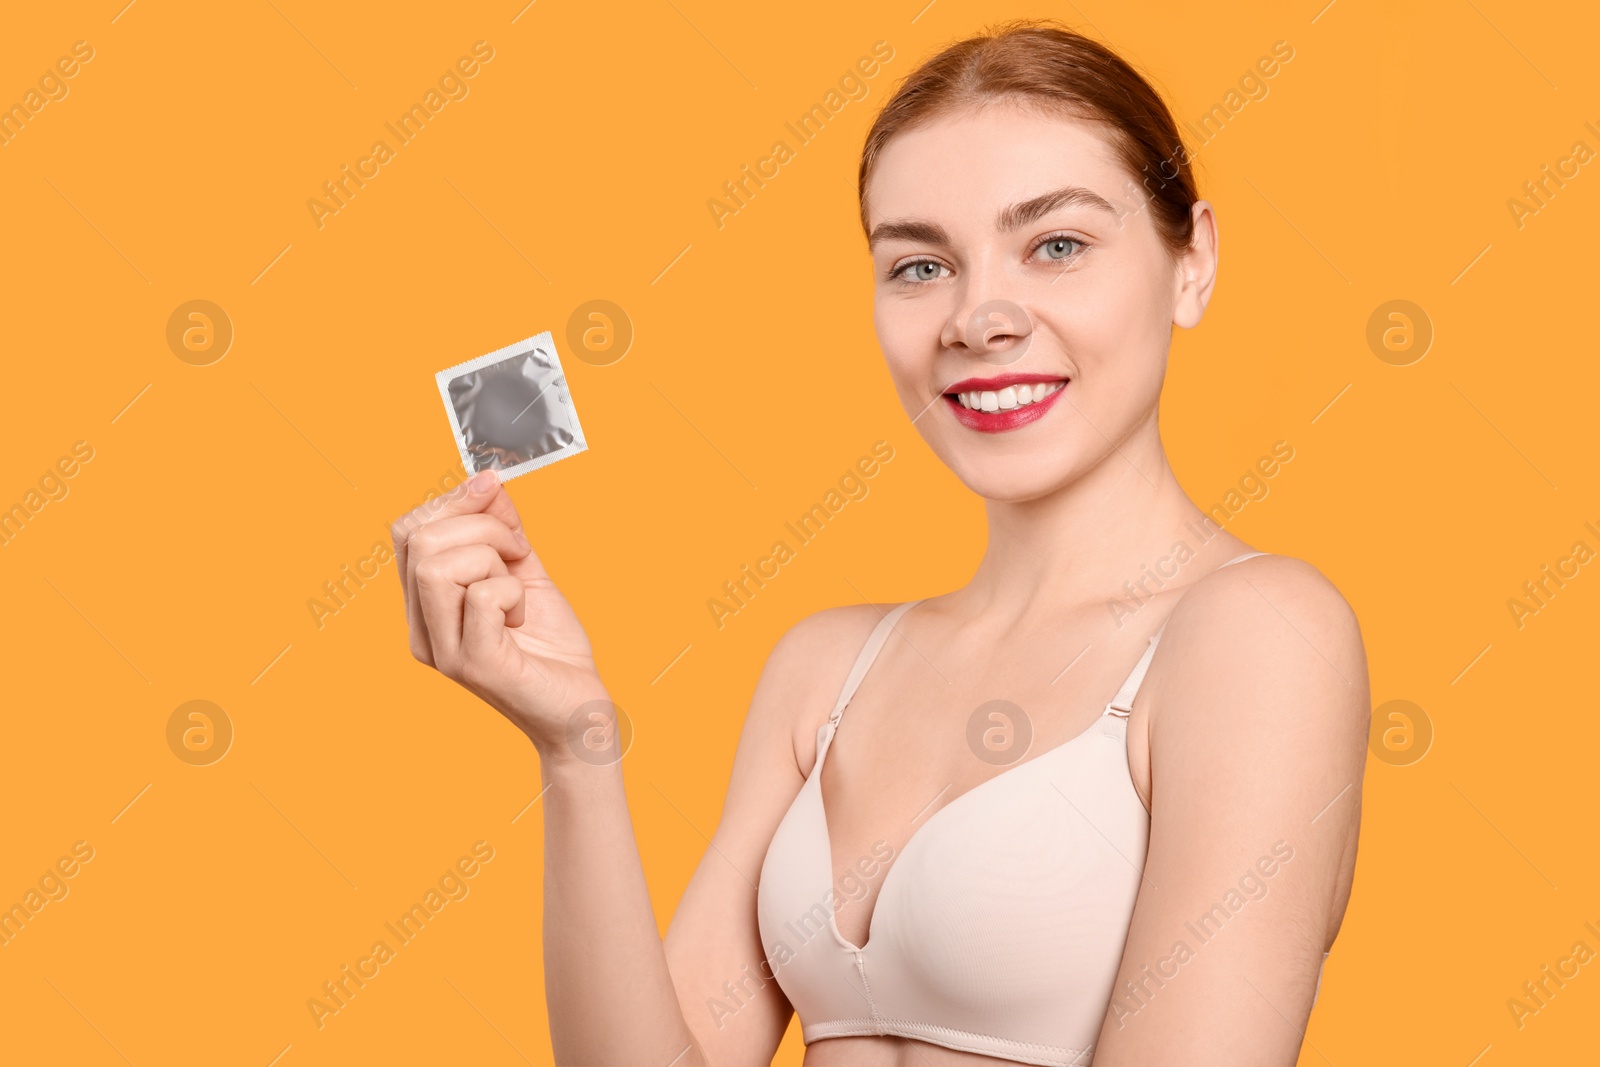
886,752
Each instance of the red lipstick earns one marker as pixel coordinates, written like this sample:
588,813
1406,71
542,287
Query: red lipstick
1001,421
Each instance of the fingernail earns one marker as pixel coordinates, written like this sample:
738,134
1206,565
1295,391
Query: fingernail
522,538
481,481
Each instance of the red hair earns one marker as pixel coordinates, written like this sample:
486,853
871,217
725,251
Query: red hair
1043,64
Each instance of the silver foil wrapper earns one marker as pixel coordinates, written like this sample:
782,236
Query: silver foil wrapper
511,410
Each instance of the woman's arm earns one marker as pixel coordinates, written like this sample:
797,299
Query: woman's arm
607,986
725,986
1259,712
483,611
618,993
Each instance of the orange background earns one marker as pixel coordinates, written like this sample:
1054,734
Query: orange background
179,565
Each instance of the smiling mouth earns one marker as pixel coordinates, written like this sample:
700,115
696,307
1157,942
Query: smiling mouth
1003,403
1008,398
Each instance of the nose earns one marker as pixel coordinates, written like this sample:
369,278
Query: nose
987,325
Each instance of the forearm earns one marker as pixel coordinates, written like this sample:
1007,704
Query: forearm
609,992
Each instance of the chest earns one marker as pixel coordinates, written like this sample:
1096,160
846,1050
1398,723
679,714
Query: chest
1009,746
996,923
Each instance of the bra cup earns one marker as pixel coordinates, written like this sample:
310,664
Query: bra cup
1009,915
793,904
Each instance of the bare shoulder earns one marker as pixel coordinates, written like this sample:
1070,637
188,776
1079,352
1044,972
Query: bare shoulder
1268,636
796,689
1233,610
806,670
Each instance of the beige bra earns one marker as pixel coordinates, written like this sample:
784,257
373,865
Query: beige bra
999,927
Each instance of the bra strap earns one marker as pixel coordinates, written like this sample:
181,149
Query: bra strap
868,653
1123,702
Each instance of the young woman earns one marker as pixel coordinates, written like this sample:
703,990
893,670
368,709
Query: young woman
1099,804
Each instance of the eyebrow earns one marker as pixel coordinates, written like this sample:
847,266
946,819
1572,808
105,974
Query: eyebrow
1009,218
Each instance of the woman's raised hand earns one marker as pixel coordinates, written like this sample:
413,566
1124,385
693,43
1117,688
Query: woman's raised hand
482,611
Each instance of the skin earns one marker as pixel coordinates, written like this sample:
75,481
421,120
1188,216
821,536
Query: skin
1250,728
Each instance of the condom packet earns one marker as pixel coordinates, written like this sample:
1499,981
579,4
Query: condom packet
510,410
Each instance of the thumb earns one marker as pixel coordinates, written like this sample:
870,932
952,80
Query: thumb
500,505
479,493
469,497
529,568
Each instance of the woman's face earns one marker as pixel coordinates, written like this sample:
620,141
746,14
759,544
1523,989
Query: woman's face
1011,248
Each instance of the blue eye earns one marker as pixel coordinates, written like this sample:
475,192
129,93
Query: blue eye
921,270
1056,247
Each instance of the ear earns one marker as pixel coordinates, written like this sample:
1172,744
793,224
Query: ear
1196,270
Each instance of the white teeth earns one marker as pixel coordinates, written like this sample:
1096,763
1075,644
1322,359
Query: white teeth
1008,398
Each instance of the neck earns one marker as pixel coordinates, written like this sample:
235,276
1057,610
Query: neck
1109,537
